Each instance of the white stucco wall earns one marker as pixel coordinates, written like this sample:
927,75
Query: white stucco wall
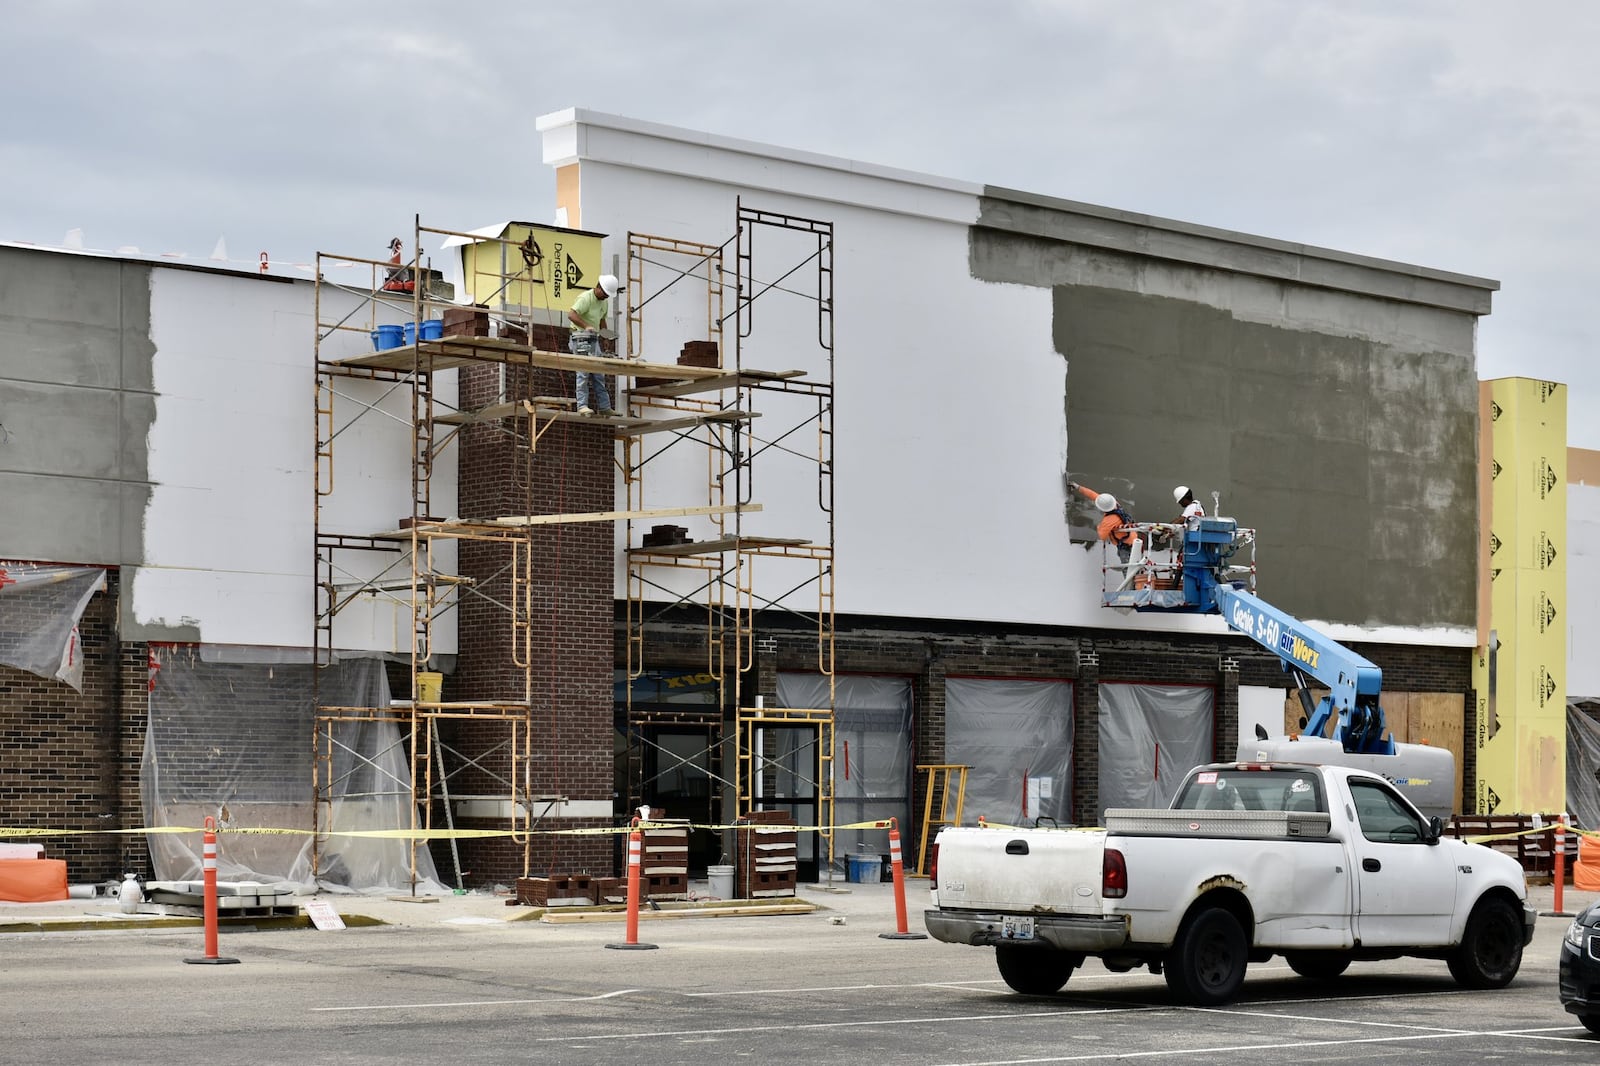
951,433
228,543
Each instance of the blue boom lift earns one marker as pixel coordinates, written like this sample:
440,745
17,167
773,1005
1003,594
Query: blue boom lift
1209,575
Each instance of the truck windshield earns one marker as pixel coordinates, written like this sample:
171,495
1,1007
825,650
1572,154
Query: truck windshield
1250,790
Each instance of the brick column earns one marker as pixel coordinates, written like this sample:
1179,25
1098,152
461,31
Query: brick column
132,722
571,613
1225,720
1086,740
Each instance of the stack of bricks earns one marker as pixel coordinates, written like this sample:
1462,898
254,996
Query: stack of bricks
700,353
610,890
766,855
663,535
466,322
561,890
664,865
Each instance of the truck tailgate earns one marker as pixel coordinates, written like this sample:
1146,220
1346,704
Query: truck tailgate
1029,870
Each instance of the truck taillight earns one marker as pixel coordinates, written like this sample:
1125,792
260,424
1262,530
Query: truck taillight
1113,875
933,867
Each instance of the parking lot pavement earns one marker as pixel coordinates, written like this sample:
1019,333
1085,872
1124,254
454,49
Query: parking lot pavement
467,978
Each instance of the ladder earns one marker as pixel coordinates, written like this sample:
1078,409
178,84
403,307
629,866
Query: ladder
947,782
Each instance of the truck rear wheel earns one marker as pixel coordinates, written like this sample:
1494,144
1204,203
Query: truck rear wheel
1206,964
1318,965
1035,971
1490,952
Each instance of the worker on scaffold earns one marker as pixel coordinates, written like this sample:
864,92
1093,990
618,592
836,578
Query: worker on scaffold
1116,525
588,315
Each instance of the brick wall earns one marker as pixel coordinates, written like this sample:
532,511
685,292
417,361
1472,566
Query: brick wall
927,654
61,752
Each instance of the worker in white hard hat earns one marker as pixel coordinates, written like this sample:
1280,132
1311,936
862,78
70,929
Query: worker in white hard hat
1192,511
1116,525
588,316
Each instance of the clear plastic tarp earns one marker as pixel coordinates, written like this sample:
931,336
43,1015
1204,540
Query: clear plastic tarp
1583,764
871,753
1016,736
1150,736
233,741
39,611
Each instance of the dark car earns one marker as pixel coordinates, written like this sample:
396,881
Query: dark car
1580,968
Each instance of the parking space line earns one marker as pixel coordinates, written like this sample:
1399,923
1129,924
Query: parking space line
1277,1016
477,1002
831,988
861,1024
1287,1045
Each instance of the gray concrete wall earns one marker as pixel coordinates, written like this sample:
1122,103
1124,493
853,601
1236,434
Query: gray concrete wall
1331,400
76,404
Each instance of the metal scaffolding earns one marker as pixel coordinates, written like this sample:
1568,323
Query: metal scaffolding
410,562
719,575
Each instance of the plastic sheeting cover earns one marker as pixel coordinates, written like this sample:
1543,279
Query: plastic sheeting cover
872,723
233,741
39,611
1583,766
1017,738
1150,736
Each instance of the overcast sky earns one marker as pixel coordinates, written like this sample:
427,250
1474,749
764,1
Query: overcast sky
1455,134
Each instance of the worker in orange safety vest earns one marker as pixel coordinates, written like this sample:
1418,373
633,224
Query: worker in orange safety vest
1116,525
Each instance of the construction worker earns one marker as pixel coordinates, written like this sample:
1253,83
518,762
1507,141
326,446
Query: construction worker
1192,511
1116,525
588,315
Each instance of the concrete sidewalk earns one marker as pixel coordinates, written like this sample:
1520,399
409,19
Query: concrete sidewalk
849,901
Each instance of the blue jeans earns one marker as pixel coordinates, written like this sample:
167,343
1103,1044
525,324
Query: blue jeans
587,342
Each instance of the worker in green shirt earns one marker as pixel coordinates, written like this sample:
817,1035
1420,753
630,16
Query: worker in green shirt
587,316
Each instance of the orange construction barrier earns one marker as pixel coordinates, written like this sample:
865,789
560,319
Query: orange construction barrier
1559,862
208,867
33,880
635,875
898,866
1586,871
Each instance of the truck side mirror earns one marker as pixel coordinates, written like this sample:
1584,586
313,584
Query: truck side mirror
1435,830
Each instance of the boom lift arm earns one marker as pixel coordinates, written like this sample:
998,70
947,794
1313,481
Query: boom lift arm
1204,584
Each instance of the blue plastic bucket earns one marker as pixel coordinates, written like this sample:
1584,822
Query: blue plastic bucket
865,869
431,329
410,329
385,337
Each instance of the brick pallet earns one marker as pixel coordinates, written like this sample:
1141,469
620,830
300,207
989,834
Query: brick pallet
662,886
1535,851
664,862
766,855
570,890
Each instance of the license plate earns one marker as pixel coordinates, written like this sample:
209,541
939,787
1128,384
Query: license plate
1016,928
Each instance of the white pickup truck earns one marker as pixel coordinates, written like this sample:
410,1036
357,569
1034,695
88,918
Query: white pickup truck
1323,865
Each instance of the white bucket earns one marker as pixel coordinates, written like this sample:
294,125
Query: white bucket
721,879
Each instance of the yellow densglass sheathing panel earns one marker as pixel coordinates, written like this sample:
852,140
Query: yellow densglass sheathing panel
1521,737
537,272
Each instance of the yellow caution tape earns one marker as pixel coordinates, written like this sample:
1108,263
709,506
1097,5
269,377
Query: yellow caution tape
437,834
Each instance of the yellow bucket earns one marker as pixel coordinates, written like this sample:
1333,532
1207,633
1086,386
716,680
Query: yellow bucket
430,686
